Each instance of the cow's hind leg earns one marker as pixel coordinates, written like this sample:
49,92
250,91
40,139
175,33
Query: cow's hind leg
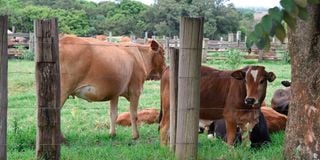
113,115
134,100
164,134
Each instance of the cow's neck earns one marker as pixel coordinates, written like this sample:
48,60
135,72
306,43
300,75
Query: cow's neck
146,59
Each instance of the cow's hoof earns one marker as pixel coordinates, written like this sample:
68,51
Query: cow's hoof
112,134
135,137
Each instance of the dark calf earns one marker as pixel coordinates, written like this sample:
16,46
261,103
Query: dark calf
258,136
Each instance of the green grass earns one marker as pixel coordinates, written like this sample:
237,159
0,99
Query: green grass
85,124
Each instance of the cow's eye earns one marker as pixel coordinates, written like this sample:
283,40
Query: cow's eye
261,81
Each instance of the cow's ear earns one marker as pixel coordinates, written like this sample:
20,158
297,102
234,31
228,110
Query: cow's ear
271,76
154,45
238,74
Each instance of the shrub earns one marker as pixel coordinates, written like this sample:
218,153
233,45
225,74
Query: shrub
25,53
233,59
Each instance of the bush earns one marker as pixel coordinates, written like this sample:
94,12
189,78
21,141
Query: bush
233,59
25,53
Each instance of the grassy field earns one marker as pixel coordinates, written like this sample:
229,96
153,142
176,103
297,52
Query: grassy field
85,124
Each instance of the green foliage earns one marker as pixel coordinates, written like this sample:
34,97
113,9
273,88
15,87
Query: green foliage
272,23
233,58
23,138
126,17
25,53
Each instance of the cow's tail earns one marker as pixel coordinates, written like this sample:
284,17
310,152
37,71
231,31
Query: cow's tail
160,114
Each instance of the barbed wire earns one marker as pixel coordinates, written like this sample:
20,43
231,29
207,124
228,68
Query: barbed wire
105,142
139,108
120,44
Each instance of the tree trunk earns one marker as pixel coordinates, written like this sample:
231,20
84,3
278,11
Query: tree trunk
303,127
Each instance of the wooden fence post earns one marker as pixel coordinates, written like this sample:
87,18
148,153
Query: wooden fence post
31,42
174,67
145,37
3,85
167,48
176,41
205,49
110,37
48,89
191,33
260,53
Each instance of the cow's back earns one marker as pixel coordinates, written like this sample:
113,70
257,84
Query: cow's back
87,64
214,89
275,121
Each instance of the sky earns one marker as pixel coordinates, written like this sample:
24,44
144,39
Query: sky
237,3
255,3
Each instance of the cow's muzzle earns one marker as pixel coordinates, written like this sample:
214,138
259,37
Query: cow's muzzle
250,101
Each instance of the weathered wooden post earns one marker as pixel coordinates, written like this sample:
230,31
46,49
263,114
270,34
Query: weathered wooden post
174,66
205,49
167,46
260,53
48,89
230,37
13,29
31,42
110,36
3,85
175,41
191,33
145,37
238,38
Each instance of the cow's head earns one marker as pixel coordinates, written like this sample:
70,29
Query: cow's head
281,98
158,60
255,79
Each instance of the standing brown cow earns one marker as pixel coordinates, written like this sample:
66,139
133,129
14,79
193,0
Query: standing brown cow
235,96
99,71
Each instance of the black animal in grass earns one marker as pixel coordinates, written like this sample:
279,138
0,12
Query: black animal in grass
258,136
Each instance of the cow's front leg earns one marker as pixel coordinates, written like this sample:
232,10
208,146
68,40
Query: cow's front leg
231,131
246,131
134,100
113,115
164,128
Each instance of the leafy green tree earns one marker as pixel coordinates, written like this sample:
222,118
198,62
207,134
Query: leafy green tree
125,18
246,21
302,17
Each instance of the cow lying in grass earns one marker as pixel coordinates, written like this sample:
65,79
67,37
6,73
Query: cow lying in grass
258,136
148,116
281,98
235,96
270,121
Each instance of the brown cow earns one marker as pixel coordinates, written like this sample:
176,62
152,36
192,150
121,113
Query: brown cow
99,71
235,96
148,116
275,121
